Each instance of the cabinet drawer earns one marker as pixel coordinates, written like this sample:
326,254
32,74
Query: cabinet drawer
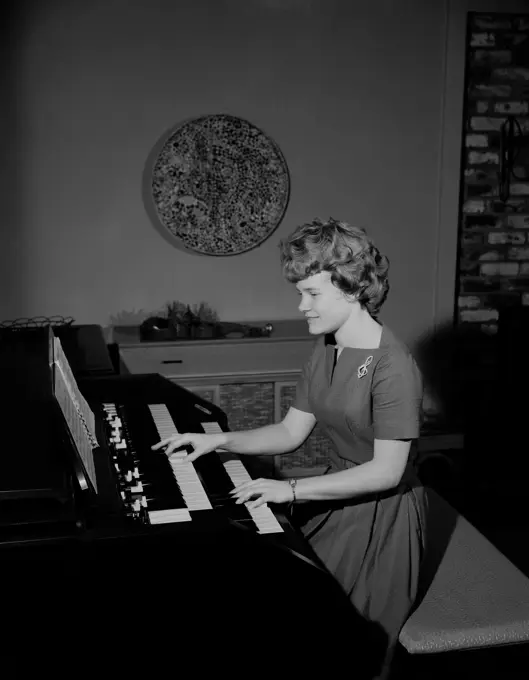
218,360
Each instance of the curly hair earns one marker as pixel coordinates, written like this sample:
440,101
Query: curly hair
356,266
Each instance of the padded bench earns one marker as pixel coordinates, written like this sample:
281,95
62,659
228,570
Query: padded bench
472,597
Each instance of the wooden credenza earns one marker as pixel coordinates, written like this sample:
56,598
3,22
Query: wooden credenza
253,380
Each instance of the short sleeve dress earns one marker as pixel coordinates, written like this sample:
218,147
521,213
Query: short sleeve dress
372,544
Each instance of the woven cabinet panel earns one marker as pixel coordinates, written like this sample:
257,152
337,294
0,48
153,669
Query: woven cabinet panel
248,406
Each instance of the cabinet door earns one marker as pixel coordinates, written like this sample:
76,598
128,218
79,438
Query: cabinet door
314,452
210,393
248,406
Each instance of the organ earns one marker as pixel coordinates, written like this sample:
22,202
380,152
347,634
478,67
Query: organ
111,542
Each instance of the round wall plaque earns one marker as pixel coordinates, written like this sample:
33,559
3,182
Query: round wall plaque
217,185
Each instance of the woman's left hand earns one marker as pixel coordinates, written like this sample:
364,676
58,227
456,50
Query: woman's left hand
262,491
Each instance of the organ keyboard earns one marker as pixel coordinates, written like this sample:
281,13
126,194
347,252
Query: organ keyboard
163,490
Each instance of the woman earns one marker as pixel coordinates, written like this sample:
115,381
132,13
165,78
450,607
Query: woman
365,519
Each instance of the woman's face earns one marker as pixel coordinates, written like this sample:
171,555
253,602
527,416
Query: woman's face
324,305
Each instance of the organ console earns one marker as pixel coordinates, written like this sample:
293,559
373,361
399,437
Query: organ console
109,548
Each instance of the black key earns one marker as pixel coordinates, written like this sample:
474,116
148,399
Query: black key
239,513
169,497
158,474
213,476
164,503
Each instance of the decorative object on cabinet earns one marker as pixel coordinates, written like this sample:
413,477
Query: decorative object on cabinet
36,322
216,185
181,322
196,322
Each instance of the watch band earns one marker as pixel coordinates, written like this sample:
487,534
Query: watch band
293,483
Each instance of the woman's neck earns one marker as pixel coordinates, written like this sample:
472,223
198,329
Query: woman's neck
360,331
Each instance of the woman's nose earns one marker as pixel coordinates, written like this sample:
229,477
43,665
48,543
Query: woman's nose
303,305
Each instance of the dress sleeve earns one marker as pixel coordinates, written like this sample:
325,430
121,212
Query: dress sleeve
397,397
301,400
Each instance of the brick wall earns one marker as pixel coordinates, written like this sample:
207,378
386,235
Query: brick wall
493,262
493,266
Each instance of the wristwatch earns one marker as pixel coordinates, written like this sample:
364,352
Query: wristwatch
293,483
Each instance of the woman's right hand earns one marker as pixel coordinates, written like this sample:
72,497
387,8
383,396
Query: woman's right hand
201,443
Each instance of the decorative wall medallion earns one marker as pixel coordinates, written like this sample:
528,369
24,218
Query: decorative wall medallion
216,185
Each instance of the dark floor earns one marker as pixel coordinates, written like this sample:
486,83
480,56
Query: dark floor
497,508
513,543
504,520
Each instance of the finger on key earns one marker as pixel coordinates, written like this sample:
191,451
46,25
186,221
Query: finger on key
161,444
178,455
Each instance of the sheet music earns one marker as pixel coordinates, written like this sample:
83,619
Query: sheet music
82,405
76,411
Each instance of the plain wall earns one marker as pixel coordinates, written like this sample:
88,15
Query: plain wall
364,100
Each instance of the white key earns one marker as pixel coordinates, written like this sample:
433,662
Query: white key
110,410
169,516
188,481
263,517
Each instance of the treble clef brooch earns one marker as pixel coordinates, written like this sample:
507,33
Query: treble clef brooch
362,369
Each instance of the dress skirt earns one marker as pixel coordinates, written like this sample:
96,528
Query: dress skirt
374,548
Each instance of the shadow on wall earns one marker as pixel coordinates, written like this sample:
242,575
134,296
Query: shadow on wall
470,374
14,15
458,364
